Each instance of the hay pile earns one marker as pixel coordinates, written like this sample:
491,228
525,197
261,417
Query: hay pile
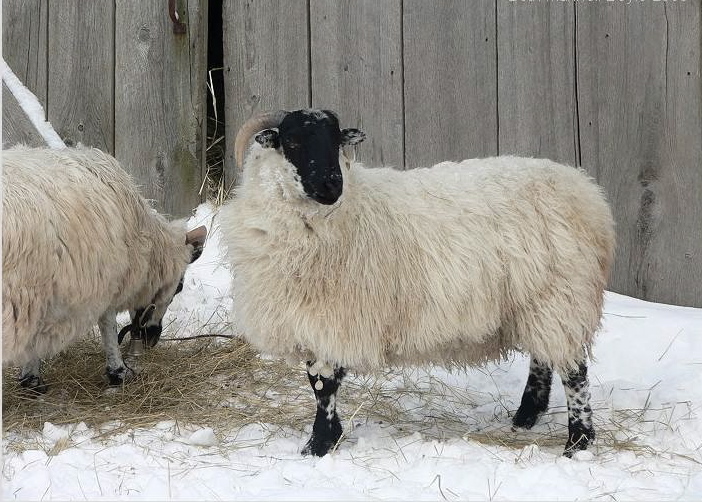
196,381
224,384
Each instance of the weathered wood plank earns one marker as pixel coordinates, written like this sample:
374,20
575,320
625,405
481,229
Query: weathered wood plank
16,127
536,80
450,80
641,122
357,71
24,26
24,32
159,101
266,62
81,72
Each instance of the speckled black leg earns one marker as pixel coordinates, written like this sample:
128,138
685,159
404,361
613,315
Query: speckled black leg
577,391
536,394
326,430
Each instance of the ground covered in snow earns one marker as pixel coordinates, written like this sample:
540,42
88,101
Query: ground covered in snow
452,442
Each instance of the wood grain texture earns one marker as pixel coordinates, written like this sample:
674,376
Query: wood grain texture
357,71
450,80
536,80
266,63
24,27
16,127
641,129
24,32
81,72
159,101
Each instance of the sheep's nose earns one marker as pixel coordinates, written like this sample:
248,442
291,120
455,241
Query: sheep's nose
329,189
334,185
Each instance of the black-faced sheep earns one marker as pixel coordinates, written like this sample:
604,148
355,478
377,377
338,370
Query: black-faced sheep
348,267
79,245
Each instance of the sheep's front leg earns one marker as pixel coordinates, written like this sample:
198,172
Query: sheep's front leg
536,394
326,430
117,373
577,391
30,377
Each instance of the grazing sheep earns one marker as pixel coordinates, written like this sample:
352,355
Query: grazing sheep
461,263
79,245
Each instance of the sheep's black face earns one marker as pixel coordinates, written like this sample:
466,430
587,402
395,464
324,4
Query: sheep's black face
151,332
151,327
310,140
143,326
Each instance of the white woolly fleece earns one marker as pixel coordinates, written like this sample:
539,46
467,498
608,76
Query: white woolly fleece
455,264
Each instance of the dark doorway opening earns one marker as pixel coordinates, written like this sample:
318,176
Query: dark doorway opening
215,104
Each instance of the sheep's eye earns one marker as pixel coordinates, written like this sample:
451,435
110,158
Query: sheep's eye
291,145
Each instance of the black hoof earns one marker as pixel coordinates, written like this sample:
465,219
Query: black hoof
319,446
578,439
117,377
34,384
525,418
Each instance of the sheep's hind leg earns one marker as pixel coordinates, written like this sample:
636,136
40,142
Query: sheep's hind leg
30,377
536,394
326,430
577,391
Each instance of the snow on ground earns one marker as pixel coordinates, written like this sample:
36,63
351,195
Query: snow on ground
647,392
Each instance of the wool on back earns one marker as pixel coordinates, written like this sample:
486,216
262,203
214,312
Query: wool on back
455,264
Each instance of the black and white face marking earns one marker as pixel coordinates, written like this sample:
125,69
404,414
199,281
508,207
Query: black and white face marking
310,140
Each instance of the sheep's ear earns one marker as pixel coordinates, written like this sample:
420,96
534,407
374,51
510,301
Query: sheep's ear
351,137
196,238
268,138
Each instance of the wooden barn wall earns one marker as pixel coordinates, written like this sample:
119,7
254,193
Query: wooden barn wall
113,74
640,107
24,43
269,41
611,86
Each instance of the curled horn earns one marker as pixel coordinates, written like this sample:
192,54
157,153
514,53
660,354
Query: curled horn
252,126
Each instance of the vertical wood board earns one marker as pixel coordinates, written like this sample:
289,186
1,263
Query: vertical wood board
24,26
357,71
159,101
266,63
536,80
81,72
640,122
450,83
16,126
24,41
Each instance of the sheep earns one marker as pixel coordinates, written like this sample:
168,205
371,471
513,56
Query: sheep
343,266
79,245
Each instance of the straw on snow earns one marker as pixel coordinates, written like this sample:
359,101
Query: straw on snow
31,107
226,385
